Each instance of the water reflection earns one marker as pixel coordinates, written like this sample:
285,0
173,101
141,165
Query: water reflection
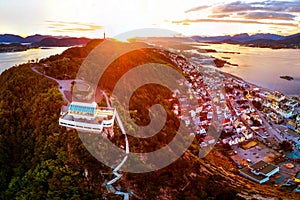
263,66
10,59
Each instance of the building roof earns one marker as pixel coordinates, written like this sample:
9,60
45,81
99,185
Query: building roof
93,104
88,117
292,123
258,178
298,175
209,137
225,121
262,167
90,109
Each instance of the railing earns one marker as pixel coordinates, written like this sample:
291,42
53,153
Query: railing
80,125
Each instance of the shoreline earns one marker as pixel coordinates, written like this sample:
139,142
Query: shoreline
12,59
257,46
258,86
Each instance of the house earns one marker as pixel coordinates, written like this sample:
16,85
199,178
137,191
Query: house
187,122
267,104
285,113
231,140
201,130
298,120
193,113
257,178
226,122
209,115
297,177
197,122
203,144
247,134
259,172
274,117
228,129
276,97
199,109
176,92
291,125
209,139
292,103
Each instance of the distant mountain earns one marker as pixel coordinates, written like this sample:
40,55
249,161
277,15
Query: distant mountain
257,40
243,37
17,43
266,36
10,38
36,38
292,41
211,38
63,42
292,36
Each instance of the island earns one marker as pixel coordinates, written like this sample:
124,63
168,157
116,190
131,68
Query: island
289,78
14,43
14,47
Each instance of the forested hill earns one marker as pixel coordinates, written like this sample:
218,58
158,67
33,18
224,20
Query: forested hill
41,160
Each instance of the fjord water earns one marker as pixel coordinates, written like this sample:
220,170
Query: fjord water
11,59
263,66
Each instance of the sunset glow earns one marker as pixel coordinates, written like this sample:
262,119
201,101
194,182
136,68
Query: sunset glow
90,18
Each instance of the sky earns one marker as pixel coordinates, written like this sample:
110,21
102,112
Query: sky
91,18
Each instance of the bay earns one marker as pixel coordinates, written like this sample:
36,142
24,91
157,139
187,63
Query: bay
11,59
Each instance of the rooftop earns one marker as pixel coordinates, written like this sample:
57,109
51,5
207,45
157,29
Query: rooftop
262,167
87,116
82,108
258,178
297,175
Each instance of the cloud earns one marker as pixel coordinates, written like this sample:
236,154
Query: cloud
269,5
180,22
61,26
237,6
219,16
266,15
73,30
284,6
196,9
185,23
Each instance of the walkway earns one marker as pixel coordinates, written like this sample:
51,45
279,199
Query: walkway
108,184
64,87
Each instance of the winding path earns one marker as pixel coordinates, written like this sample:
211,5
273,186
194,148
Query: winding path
116,169
65,85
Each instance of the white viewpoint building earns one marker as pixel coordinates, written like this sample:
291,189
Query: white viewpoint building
87,117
